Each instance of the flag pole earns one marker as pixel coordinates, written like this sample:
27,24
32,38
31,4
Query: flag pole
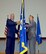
38,44
23,47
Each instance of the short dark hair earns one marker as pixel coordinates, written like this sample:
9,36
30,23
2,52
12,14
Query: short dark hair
31,16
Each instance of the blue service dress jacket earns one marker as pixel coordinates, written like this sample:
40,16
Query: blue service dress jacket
11,25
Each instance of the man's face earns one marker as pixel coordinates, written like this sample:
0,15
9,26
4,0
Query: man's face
31,18
12,17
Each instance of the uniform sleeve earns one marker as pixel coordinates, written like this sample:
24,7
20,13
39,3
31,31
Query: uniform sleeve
16,31
15,23
11,23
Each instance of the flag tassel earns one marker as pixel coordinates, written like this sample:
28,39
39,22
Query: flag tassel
25,48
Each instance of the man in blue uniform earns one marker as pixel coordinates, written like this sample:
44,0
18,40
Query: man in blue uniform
11,30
